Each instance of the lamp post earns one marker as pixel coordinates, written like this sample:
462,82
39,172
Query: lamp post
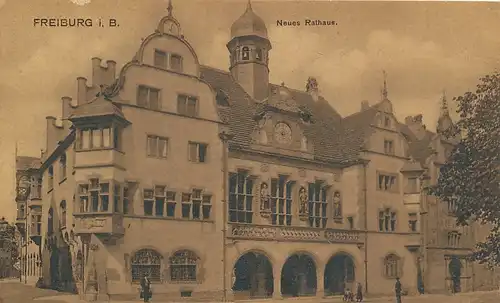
23,193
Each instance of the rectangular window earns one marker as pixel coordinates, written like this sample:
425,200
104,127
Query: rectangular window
148,202
281,201
148,97
412,187
171,202
187,105
117,198
186,205
160,59
350,222
154,201
317,205
176,62
157,146
126,200
389,147
240,197
197,152
412,222
386,182
117,134
95,138
387,220
94,197
196,205
453,239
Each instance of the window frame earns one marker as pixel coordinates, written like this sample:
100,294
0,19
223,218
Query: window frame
147,104
317,194
184,267
241,193
281,201
392,266
157,152
183,106
198,157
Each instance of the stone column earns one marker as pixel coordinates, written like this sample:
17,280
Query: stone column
277,281
320,282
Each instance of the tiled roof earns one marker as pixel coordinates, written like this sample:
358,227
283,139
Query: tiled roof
325,132
24,163
99,106
421,149
357,128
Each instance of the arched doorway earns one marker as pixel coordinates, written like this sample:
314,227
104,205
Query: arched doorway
339,274
253,276
298,277
455,271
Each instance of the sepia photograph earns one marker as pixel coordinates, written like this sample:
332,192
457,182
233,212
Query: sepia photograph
249,151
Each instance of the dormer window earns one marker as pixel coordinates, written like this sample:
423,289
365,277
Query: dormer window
387,122
258,54
245,53
148,97
160,59
222,99
176,63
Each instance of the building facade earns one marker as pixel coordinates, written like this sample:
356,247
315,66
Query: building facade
218,184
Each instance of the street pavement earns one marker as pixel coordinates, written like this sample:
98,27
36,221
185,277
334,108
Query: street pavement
12,291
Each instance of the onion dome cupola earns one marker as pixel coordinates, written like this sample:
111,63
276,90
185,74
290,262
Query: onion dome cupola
249,54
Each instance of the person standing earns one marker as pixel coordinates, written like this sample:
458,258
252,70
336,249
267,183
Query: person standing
359,293
397,289
145,288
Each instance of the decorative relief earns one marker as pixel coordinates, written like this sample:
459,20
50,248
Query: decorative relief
337,206
94,223
265,200
302,173
303,207
264,167
341,236
272,233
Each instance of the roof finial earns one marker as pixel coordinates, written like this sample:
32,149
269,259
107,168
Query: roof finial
170,7
444,105
249,5
384,89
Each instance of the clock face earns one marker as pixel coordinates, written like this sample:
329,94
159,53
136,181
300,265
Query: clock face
283,133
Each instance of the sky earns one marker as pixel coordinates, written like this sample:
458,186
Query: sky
424,47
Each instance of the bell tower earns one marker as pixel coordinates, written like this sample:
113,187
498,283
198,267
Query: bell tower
249,54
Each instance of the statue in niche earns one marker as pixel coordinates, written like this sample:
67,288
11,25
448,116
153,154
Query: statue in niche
265,200
337,205
303,207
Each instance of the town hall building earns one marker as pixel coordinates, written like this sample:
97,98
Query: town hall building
220,185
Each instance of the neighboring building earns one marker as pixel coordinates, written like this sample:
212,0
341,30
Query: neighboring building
30,209
138,175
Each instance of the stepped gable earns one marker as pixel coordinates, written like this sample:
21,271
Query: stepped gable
325,132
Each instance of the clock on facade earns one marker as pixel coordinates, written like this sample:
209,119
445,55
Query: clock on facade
283,133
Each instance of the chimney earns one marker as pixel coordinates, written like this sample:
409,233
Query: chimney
312,88
81,91
416,126
96,72
364,105
66,107
111,65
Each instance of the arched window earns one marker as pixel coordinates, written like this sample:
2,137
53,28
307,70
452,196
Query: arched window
146,262
62,167
62,207
245,53
183,266
258,54
50,222
391,266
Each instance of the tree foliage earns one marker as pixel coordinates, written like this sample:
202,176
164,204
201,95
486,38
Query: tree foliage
470,177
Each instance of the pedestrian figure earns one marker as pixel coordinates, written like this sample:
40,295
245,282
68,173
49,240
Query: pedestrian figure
145,288
397,288
348,296
359,293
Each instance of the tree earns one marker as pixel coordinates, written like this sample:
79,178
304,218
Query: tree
8,247
470,177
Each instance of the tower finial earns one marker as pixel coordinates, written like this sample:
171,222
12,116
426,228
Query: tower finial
249,5
444,105
384,88
170,7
